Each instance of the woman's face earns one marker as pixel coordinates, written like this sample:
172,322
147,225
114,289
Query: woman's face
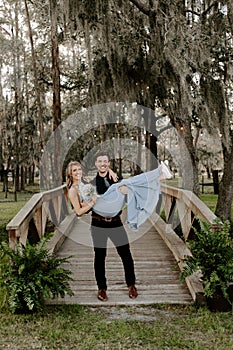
76,173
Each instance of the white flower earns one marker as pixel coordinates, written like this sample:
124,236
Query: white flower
86,192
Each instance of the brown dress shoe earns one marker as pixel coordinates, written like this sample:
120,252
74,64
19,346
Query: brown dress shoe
133,293
102,295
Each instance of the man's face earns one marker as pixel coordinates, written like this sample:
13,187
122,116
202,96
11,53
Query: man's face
102,164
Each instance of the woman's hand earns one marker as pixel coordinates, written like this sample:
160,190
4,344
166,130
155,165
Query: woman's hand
113,175
87,179
94,198
92,202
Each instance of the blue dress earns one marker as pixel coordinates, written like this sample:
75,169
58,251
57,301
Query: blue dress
141,200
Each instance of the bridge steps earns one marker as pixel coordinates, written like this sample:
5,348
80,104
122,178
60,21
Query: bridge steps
155,267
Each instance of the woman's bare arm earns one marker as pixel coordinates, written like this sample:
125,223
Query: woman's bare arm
113,175
77,205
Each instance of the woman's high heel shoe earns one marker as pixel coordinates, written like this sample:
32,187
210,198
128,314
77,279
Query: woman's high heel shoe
166,171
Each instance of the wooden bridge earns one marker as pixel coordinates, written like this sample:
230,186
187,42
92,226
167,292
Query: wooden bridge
157,249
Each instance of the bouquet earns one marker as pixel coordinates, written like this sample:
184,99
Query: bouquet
86,191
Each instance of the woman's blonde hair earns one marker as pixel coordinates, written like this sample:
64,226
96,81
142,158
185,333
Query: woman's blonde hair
69,179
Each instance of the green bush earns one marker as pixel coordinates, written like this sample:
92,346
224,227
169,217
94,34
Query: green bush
31,275
3,232
212,254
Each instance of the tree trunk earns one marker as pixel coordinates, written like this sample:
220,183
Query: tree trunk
5,182
22,178
36,83
17,84
150,138
230,13
55,65
31,174
224,203
51,167
215,181
188,159
1,126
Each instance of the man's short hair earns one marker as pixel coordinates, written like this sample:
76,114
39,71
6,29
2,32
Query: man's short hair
102,154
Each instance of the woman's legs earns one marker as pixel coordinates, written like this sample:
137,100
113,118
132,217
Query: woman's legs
165,174
123,189
111,202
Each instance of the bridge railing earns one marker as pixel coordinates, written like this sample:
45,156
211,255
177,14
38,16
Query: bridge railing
46,206
182,207
178,204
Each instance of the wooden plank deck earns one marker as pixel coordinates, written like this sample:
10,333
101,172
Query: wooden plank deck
155,267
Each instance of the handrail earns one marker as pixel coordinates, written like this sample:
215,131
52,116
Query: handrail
188,206
53,204
50,204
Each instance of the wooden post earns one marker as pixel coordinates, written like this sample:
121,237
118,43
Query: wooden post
12,236
202,184
38,222
215,181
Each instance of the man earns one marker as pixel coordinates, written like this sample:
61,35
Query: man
109,228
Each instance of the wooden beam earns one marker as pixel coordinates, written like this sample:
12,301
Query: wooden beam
12,237
191,200
38,221
185,217
20,223
26,212
167,205
179,250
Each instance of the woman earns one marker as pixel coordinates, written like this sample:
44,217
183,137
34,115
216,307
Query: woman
142,194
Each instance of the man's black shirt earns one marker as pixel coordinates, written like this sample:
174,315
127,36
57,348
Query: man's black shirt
102,184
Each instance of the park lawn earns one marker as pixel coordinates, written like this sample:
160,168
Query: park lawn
21,196
83,328
9,208
210,200
7,211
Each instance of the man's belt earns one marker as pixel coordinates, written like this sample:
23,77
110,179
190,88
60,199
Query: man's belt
101,218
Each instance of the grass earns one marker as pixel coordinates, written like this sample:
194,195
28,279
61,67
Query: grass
210,200
80,327
9,208
21,196
83,328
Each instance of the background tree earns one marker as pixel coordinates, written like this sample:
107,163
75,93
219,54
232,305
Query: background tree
180,42
171,56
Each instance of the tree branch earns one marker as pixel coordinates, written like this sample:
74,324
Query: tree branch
68,87
142,7
3,29
193,12
204,13
209,8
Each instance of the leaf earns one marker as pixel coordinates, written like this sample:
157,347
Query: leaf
21,268
33,276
